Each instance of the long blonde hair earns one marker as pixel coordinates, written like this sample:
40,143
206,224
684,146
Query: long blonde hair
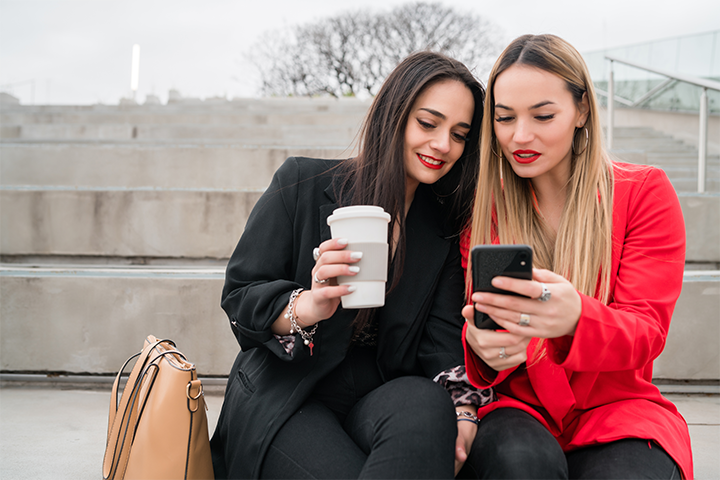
505,208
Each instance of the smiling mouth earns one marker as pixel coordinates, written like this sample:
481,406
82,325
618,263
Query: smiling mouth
525,156
430,162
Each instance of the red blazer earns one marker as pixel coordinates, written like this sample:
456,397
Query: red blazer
596,387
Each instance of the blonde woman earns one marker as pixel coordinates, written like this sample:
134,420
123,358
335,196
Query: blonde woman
572,371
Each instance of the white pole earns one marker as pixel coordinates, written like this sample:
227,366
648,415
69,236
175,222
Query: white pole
610,107
135,69
702,141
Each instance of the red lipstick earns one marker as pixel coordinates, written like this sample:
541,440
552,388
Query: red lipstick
525,156
434,166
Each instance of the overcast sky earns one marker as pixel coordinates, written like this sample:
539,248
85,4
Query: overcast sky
79,51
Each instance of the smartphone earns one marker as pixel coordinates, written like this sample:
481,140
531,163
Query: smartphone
490,261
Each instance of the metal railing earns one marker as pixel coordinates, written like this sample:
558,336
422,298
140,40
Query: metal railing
672,78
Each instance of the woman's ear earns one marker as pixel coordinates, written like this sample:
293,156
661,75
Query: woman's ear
583,110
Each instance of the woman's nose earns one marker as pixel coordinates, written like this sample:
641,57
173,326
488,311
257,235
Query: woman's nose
441,142
523,133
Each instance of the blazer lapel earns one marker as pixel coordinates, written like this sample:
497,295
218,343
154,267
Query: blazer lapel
326,210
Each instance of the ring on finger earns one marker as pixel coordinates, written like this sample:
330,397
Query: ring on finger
503,355
545,295
524,320
316,253
317,280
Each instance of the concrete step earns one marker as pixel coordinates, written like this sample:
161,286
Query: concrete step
87,319
218,165
280,111
147,222
93,316
250,133
194,223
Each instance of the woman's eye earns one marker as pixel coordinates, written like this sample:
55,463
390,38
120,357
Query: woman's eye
544,118
460,137
425,124
503,119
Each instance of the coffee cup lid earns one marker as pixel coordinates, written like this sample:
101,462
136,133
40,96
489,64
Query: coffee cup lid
358,211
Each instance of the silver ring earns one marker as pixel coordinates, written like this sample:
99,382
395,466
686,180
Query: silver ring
524,320
317,280
503,355
545,296
316,253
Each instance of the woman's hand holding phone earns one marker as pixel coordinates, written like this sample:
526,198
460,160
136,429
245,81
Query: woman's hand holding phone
550,319
489,344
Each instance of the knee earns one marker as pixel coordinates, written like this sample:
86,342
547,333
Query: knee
422,397
512,444
416,404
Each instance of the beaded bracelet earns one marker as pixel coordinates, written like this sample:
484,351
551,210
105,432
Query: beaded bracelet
294,327
466,417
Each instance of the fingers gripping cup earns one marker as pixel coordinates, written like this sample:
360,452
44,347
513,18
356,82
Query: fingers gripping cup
366,229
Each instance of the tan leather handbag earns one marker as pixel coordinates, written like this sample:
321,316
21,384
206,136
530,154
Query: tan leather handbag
159,428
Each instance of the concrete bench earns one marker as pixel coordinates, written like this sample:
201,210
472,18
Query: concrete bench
87,319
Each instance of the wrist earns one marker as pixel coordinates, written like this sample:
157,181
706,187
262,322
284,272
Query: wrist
303,313
465,416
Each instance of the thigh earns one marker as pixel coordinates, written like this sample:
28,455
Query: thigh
313,444
512,444
623,459
407,429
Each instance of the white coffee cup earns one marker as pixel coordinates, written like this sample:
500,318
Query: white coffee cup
366,229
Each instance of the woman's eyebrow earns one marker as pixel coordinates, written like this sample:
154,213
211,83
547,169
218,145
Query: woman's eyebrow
537,105
440,115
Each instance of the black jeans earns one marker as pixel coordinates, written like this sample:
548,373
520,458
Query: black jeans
356,426
512,444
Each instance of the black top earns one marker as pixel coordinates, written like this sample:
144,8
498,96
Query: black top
419,328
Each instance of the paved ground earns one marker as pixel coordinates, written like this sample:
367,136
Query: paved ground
59,432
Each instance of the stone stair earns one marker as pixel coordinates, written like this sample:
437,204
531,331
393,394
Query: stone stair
117,222
647,146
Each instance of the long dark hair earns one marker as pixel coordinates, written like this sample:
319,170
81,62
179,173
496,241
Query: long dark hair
377,175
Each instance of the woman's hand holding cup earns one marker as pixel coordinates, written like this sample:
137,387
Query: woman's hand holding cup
322,300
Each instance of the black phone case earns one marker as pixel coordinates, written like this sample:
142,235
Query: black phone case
489,261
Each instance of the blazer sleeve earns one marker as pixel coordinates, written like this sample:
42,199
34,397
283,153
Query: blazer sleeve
441,345
630,331
258,276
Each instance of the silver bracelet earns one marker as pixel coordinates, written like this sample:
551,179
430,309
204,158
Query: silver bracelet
294,327
466,416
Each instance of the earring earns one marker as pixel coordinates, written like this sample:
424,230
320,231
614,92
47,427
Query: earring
493,151
587,140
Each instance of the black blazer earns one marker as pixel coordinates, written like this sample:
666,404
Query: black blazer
419,326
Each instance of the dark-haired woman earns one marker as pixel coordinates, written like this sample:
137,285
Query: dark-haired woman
323,392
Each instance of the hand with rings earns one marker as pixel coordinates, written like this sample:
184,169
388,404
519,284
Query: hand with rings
500,350
322,299
549,307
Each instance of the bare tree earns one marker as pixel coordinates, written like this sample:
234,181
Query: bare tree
351,54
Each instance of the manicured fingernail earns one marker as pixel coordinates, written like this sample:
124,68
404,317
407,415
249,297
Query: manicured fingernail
355,269
342,241
351,288
356,255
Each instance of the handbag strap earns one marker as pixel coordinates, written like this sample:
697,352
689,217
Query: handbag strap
121,424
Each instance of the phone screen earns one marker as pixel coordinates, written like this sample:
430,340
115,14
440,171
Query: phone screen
490,261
